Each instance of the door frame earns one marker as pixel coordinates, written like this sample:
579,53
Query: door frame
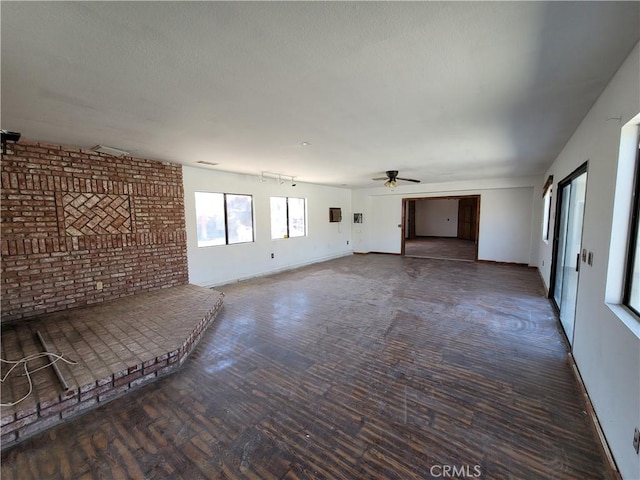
405,206
584,168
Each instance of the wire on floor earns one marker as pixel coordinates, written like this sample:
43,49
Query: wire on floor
27,373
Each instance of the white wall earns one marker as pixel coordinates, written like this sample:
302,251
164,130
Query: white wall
505,225
505,216
606,337
437,217
217,265
383,220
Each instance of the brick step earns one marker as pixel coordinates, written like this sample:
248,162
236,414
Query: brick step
113,357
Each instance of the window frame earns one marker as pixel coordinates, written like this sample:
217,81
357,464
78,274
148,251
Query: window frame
632,241
287,218
225,211
547,208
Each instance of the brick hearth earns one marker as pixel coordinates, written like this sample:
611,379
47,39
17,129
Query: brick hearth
118,346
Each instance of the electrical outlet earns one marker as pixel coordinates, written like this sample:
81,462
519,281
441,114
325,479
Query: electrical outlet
636,440
347,242
272,255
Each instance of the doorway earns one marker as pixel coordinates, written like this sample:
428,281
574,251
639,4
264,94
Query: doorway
567,247
441,227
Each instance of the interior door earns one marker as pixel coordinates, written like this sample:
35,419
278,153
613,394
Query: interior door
467,226
568,245
411,217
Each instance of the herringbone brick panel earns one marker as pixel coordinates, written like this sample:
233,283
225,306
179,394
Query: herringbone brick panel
96,214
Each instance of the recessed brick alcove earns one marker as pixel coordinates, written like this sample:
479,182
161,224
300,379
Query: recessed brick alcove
118,346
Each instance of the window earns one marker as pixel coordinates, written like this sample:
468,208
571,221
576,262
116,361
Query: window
223,218
547,195
288,217
632,278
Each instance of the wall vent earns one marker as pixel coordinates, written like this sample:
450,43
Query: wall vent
335,214
114,152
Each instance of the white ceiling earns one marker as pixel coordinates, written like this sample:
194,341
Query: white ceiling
438,90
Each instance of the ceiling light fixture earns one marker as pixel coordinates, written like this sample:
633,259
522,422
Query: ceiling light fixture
114,152
281,178
390,183
306,144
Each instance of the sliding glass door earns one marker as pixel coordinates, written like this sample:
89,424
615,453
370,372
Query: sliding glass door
567,247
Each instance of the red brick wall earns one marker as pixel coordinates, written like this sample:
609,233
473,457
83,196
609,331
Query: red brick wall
72,218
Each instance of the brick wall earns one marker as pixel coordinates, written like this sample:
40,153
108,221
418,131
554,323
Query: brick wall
72,218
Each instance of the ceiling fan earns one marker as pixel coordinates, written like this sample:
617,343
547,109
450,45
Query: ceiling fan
392,179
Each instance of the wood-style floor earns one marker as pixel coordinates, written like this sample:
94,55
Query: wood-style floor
441,247
369,366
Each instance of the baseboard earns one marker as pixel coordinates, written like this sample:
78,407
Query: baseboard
544,285
435,236
614,473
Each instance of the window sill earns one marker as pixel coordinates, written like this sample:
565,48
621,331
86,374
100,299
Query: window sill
626,317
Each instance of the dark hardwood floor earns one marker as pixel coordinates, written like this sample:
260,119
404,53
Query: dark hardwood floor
370,366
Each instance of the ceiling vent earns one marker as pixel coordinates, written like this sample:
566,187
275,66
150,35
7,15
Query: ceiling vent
114,152
203,162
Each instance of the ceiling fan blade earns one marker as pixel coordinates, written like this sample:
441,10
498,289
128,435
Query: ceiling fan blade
380,178
408,180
